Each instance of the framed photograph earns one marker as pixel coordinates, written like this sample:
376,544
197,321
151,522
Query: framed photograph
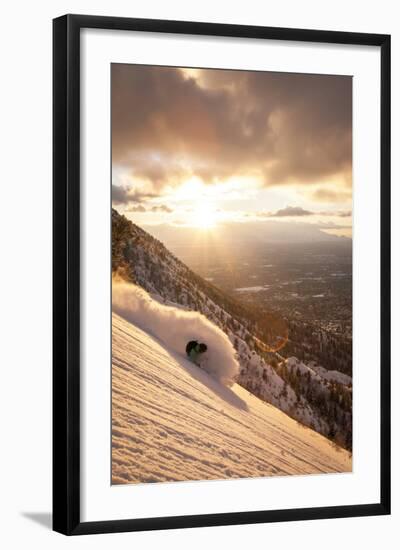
221,274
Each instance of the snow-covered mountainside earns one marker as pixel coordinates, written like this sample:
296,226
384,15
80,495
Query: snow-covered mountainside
320,402
172,421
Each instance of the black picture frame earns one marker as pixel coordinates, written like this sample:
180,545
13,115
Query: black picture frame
66,273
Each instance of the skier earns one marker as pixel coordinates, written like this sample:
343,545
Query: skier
194,350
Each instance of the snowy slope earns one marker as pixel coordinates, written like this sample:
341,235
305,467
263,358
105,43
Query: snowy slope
171,421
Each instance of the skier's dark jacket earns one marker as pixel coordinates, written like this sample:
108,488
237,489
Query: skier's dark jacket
194,349
191,345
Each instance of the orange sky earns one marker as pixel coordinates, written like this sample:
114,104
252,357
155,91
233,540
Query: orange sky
203,147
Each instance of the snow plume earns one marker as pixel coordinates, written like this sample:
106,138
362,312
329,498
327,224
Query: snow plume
176,327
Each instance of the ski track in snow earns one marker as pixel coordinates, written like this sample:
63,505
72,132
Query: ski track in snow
171,421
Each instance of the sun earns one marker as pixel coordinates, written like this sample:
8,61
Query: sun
205,216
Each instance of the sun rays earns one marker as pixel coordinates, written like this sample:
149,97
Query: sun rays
205,216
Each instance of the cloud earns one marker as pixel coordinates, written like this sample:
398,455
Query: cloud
297,211
281,128
338,194
138,208
161,208
127,195
156,208
291,211
337,213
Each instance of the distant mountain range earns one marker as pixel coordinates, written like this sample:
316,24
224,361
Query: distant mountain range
310,394
268,231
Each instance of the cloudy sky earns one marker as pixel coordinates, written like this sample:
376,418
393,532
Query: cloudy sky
204,148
